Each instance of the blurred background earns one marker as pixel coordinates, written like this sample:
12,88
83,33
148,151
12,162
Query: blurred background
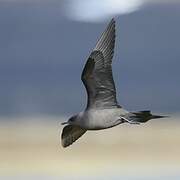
44,45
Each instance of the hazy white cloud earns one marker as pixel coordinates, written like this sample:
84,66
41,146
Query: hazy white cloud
93,10
99,10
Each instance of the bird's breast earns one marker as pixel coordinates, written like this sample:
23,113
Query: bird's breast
101,119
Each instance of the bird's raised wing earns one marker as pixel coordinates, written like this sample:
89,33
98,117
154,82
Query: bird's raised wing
97,74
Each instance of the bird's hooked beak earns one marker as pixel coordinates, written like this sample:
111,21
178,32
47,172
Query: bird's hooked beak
63,123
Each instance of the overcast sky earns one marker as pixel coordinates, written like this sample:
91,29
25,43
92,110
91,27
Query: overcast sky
43,51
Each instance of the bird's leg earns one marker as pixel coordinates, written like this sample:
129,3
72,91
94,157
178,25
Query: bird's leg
128,121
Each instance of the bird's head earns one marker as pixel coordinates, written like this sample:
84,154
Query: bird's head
71,120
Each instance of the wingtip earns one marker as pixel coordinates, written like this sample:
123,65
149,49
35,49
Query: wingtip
113,21
64,145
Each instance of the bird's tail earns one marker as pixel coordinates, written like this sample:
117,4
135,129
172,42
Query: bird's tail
144,116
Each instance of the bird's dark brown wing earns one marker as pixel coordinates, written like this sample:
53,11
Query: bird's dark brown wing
97,74
70,134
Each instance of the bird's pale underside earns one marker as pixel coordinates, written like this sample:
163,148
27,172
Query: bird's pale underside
102,110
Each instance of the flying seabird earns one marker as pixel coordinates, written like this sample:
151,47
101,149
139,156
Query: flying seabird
102,110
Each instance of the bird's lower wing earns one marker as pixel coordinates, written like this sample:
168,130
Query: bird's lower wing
70,134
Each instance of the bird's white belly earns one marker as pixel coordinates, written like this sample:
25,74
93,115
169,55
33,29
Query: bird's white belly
102,119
